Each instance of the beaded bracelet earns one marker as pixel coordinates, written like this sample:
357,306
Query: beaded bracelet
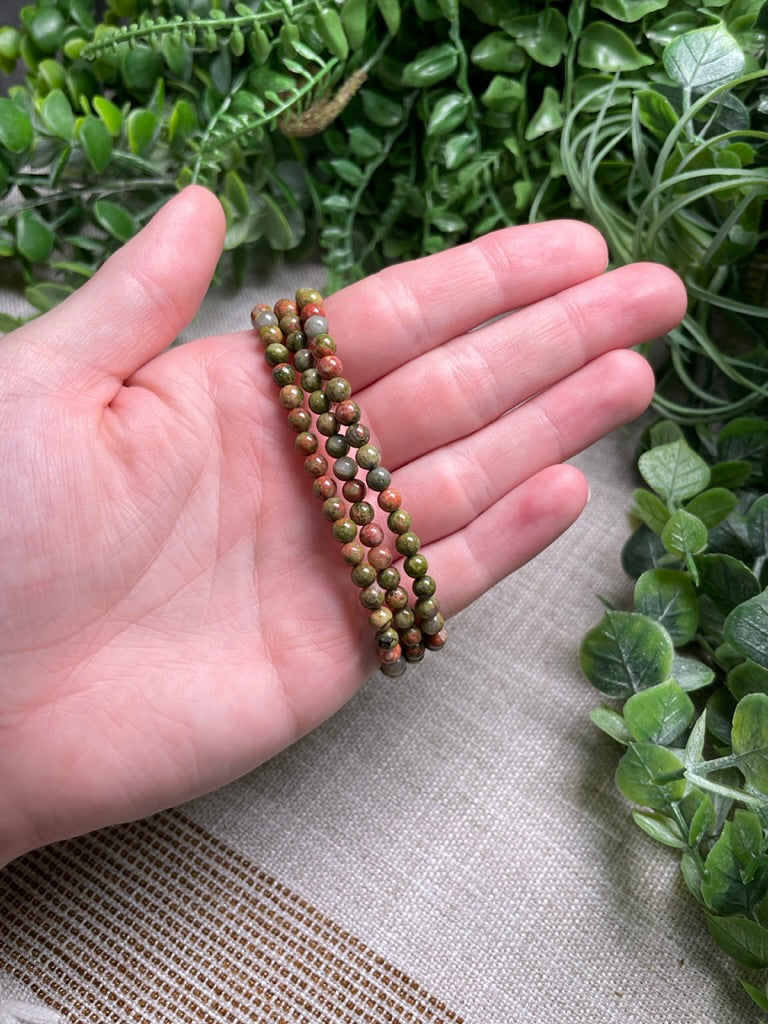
306,368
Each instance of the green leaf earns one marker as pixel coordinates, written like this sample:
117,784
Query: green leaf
703,822
703,58
659,714
141,68
656,113
726,580
348,172
16,130
548,117
660,827
731,474
503,93
447,114
363,143
745,941
354,18
690,673
756,995
141,127
712,506
498,52
46,294
182,122
629,10
643,550
57,114
543,36
669,597
34,238
390,12
431,66
744,439
96,142
674,471
649,508
648,775
684,534
747,678
331,30
757,525
612,723
109,114
722,888
746,628
381,110
607,48
749,740
115,219
625,653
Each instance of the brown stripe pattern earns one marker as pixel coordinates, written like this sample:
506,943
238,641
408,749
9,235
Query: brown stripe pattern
159,922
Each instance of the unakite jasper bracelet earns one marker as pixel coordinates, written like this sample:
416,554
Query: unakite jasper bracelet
338,453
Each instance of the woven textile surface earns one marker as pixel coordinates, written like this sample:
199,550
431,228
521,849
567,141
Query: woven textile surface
447,848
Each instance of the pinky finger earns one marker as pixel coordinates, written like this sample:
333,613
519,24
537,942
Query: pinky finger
506,536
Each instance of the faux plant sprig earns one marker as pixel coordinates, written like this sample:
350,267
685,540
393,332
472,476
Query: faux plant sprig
685,672
386,129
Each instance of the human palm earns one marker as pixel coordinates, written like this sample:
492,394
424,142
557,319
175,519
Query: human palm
174,609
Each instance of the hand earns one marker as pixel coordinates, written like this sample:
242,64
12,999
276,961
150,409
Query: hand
174,609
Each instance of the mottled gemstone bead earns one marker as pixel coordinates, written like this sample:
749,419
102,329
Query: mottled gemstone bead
368,456
394,669
276,353
296,340
298,419
263,316
378,479
381,556
357,434
318,401
353,552
324,487
426,607
409,635
381,618
388,577
316,465
354,490
407,544
415,565
307,295
363,575
371,535
344,530
387,638
362,512
289,324
315,325
347,412
338,389
397,598
399,521
303,360
436,641
329,367
283,374
336,445
345,468
271,335
306,442
311,381
433,625
372,596
286,307
334,508
311,309
292,397
322,345
414,653
389,499
327,426
391,655
424,587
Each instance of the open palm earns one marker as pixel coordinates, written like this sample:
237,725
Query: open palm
174,609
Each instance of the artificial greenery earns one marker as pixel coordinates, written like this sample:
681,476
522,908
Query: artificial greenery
685,671
387,129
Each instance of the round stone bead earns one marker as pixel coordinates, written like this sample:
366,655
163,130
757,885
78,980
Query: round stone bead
327,425
394,669
436,641
311,309
296,341
315,325
338,389
311,380
357,434
353,552
424,587
316,465
324,487
318,401
347,412
378,479
427,607
336,445
399,521
381,618
372,596
415,565
362,512
299,419
286,307
388,577
368,456
303,360
306,442
271,335
410,635
387,657
306,295
345,468
404,620
354,490
387,639
283,374
323,345
290,323
381,557
414,653
329,367
433,625
334,508
397,598
371,535
344,530
363,575
407,544
263,316
292,397
389,499
276,353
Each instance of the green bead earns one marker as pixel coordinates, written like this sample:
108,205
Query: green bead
334,509
345,468
338,389
368,456
303,360
378,479
312,381
415,565
387,639
296,341
389,578
283,374
362,512
292,397
424,587
344,530
363,575
372,596
380,618
318,401
399,521
427,607
407,544
336,445
276,353
327,425
298,419
394,669
358,434
403,619
397,599
432,626
306,442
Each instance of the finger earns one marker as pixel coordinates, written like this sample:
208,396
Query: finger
134,306
389,318
506,536
453,391
450,488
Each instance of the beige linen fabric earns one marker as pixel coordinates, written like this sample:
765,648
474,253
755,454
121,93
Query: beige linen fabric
449,847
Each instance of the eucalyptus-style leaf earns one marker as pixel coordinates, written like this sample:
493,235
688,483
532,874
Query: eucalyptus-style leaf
651,776
625,653
612,723
746,628
703,58
744,439
669,597
649,508
747,677
643,550
629,10
749,739
712,506
744,940
659,714
722,888
674,471
690,673
660,827
543,36
684,534
757,525
354,19
16,132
